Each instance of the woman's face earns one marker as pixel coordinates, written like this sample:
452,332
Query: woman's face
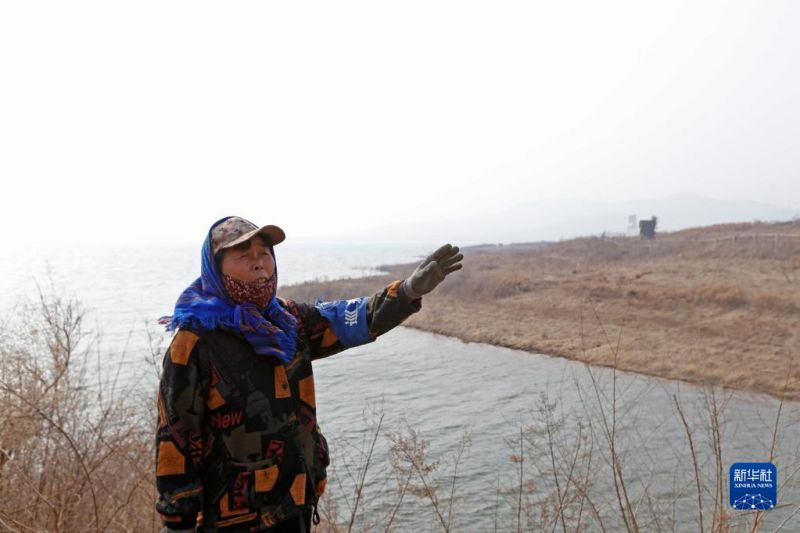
248,261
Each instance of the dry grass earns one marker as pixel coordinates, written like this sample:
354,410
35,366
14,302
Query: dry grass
717,305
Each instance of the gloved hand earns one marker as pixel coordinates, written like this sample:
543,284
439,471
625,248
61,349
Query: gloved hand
432,271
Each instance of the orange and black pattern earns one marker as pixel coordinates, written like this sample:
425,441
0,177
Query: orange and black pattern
238,447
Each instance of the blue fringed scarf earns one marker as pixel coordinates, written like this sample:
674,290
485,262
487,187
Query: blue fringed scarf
206,304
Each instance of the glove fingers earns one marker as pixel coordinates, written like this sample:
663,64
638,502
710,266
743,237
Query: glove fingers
453,268
451,260
433,256
435,268
453,250
442,252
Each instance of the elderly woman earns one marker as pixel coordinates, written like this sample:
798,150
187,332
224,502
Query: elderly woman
238,447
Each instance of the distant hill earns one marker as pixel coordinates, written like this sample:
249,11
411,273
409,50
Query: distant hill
552,220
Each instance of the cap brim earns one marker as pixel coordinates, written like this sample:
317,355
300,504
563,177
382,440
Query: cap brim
273,234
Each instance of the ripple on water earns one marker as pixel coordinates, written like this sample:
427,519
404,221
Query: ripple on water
443,387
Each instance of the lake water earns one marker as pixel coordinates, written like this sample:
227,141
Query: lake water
442,388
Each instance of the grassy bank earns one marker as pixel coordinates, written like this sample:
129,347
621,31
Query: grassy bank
718,305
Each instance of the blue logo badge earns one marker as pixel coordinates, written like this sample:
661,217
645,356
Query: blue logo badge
753,486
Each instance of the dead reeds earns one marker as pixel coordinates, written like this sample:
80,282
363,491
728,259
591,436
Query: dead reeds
75,457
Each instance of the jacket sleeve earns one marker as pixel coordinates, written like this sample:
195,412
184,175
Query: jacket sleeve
179,437
330,327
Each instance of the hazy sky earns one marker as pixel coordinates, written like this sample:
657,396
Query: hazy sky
147,121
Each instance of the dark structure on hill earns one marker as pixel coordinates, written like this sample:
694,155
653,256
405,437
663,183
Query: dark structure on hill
647,228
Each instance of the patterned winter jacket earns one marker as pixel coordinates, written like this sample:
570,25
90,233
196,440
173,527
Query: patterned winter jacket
237,441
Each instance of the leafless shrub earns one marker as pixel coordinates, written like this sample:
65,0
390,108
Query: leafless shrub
410,457
73,456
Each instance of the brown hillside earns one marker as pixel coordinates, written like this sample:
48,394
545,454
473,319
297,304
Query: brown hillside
717,305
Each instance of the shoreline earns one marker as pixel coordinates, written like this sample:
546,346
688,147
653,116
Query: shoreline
698,384
713,306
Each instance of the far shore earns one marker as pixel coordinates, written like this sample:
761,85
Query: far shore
716,306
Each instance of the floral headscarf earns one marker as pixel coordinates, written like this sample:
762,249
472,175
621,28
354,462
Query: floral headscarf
206,304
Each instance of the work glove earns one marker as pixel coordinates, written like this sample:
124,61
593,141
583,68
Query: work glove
432,271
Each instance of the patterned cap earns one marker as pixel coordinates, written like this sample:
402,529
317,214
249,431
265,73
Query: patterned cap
236,230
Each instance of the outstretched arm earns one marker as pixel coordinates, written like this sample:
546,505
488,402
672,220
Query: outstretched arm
330,327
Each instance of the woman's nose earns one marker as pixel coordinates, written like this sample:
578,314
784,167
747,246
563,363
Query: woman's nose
262,263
